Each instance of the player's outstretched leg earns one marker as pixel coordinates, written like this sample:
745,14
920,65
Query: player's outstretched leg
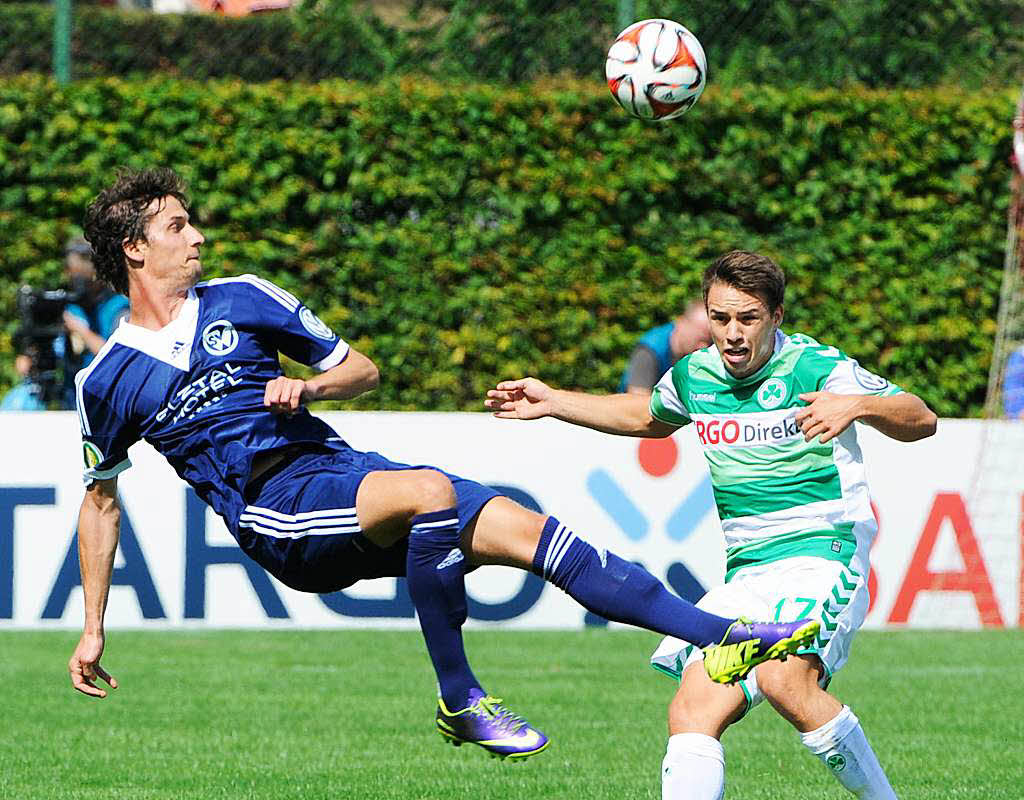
435,574
747,644
625,592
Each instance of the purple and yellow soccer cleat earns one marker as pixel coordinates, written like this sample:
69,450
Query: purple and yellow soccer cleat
486,722
747,644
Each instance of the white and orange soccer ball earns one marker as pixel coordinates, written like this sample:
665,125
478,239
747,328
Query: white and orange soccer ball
656,69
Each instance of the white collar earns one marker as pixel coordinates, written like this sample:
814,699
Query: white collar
172,343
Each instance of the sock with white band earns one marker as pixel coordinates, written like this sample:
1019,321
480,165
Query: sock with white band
693,769
619,590
841,746
435,576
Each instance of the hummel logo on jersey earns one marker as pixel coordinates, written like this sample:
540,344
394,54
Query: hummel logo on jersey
454,557
704,397
220,338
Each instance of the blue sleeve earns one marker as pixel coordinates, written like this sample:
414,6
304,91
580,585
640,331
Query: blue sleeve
1013,385
106,435
293,329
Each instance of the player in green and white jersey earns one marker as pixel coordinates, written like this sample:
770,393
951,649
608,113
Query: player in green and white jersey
774,414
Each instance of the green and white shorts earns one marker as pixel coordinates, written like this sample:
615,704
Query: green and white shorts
790,589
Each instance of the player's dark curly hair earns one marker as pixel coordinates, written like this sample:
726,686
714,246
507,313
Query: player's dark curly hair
118,215
749,272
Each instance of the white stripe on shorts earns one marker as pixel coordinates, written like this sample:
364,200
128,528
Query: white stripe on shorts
269,513
323,522
279,534
301,524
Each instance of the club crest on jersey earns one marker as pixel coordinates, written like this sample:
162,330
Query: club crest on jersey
92,454
772,393
316,326
220,338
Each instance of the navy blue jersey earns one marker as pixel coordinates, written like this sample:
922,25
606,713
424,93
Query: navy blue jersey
194,389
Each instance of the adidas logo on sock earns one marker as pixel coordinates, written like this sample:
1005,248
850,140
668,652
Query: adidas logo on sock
454,557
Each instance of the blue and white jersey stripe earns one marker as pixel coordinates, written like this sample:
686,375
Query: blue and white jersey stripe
287,299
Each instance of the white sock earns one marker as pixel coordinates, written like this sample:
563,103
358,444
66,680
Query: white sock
693,769
841,746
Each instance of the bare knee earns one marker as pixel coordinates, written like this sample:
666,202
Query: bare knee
702,706
430,491
387,501
779,680
792,688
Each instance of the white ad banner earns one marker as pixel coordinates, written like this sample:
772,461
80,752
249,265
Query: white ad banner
948,553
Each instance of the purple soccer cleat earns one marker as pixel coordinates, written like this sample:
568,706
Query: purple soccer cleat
747,644
486,722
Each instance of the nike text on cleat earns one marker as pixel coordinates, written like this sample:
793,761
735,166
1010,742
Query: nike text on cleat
487,723
747,644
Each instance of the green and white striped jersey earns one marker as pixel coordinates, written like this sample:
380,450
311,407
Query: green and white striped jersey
777,495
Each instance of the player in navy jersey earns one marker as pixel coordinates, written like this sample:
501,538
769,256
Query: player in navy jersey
195,372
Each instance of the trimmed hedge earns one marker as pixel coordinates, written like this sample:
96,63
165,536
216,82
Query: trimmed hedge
462,234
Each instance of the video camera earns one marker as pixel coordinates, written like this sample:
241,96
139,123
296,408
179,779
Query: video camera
41,312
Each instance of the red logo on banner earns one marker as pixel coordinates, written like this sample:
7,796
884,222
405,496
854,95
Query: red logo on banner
973,578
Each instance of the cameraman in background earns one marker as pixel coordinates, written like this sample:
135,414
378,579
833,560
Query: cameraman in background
93,311
61,332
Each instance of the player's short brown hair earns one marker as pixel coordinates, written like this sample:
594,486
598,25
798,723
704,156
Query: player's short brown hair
118,215
751,273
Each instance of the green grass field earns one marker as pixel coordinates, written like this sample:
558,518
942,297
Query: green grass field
349,714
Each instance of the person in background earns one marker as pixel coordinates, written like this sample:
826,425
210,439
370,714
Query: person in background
88,321
661,347
1013,386
27,394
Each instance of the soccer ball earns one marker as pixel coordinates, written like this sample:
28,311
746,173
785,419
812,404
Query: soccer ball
656,69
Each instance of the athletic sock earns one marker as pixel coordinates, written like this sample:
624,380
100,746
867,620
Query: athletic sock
618,589
435,574
841,746
693,769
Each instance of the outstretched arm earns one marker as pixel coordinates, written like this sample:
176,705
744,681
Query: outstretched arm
352,377
903,417
99,524
622,414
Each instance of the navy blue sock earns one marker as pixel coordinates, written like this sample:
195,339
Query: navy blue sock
618,589
435,573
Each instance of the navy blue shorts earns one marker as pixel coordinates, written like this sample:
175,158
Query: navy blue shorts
300,523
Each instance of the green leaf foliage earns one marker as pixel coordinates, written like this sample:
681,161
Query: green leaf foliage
461,234
911,43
